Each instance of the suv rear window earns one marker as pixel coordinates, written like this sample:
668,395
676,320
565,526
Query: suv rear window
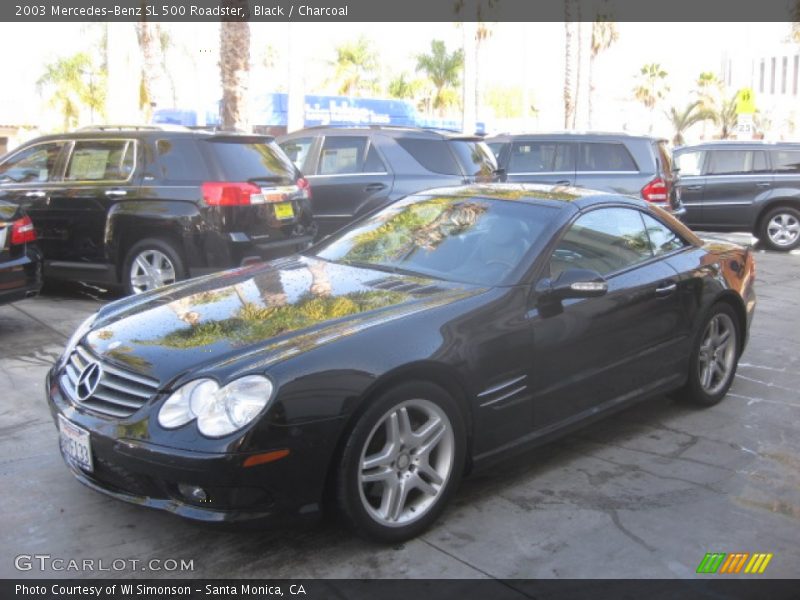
597,156
786,161
242,159
432,155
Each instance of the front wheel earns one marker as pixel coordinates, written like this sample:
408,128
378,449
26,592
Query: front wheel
151,264
780,228
402,462
715,357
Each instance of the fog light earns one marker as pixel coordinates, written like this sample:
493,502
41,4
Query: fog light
193,492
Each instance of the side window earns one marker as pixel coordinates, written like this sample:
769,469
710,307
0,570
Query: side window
34,165
297,150
433,155
541,157
373,162
786,161
603,240
342,155
690,163
662,238
726,162
495,147
179,160
605,157
760,162
101,160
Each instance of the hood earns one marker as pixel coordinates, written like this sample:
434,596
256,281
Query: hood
265,313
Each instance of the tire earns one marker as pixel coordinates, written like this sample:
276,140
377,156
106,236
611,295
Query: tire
414,435
151,263
780,228
713,362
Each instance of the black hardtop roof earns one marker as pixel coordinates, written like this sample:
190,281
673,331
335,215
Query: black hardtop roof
558,195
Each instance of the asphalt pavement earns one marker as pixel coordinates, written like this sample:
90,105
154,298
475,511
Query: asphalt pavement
645,493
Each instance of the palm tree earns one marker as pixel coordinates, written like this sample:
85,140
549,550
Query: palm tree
234,67
355,67
569,100
404,88
153,77
727,117
443,68
682,120
604,34
74,83
651,87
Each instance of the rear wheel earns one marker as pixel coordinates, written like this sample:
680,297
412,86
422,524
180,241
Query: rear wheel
402,462
780,228
150,264
715,357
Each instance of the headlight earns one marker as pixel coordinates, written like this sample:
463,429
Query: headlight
218,410
81,331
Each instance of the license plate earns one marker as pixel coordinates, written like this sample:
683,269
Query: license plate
76,444
284,210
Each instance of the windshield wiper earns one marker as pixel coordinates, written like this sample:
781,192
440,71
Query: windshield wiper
388,269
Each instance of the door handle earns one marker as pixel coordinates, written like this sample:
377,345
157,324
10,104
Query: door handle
666,288
116,193
763,184
563,182
374,187
694,188
36,194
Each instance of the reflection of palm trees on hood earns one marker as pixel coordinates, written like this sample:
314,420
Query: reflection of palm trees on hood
320,281
254,323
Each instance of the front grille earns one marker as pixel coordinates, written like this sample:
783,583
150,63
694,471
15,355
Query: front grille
119,393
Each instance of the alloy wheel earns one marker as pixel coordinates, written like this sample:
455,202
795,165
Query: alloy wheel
406,462
151,269
783,229
717,356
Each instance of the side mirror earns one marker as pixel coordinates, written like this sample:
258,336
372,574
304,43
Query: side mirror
573,283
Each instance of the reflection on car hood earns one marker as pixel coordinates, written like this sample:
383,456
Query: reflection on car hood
266,312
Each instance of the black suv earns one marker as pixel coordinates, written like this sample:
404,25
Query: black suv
356,170
146,206
743,186
638,166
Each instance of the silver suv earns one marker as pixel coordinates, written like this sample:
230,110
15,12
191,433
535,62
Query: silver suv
639,166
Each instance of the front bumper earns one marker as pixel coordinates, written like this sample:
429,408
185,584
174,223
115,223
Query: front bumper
148,474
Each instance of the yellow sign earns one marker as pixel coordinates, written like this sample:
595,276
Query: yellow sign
745,102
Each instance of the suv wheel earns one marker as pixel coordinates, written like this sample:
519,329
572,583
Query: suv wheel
151,264
780,228
402,462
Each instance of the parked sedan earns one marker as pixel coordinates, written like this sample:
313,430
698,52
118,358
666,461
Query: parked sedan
436,335
20,259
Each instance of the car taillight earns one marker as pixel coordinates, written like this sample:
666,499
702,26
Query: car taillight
222,193
305,187
656,191
22,231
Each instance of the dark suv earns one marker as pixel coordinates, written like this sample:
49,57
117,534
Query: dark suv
146,206
743,186
356,170
638,166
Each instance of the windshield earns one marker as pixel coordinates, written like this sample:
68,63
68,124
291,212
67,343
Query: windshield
473,240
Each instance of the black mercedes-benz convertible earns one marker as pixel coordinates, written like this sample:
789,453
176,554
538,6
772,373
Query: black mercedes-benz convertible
434,336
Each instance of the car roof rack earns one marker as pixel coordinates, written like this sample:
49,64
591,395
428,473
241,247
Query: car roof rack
155,127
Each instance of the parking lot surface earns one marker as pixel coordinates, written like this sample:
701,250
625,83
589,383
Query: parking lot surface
645,493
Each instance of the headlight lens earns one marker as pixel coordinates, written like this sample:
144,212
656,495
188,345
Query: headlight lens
219,410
